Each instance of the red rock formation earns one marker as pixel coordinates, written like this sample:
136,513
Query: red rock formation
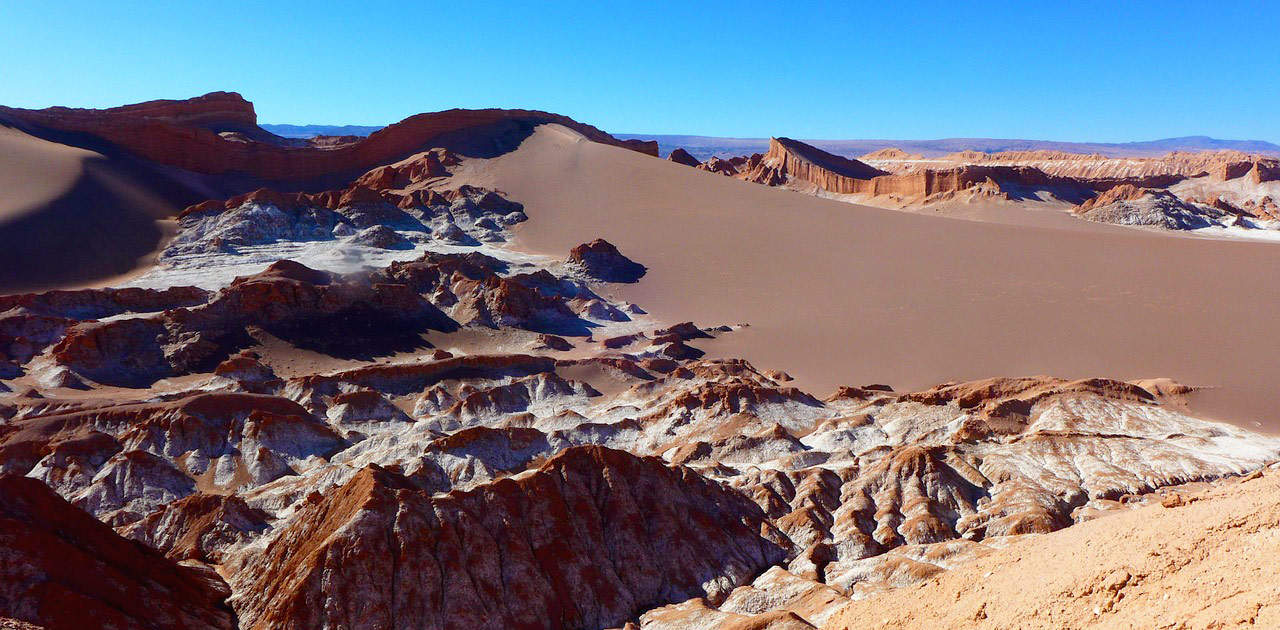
892,153
552,342
723,167
198,527
200,427
62,569
433,163
98,303
1264,208
795,163
931,182
185,134
361,192
216,111
1222,165
291,300
400,379
1123,192
1232,165
1003,405
588,540
788,159
602,260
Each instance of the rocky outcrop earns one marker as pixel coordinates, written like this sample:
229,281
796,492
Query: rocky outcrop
975,175
290,300
793,163
738,166
791,160
1264,208
680,156
602,261
199,527
105,302
891,153
187,134
1000,397
1145,171
1125,192
418,169
61,569
588,540
1131,205
128,459
463,215
1195,562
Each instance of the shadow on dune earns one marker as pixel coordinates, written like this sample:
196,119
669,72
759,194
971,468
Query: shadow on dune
101,227
486,141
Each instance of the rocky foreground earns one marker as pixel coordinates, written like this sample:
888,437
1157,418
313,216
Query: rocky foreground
366,407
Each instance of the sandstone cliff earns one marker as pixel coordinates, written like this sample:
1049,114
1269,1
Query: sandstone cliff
791,160
977,175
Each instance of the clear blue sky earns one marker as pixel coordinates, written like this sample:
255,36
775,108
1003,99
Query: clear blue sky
1106,71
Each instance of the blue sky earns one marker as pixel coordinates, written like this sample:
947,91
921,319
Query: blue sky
1106,71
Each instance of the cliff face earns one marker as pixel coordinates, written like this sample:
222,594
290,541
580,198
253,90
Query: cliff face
1176,165
186,134
793,162
215,111
789,159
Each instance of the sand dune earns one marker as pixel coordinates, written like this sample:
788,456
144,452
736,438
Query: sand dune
842,294
32,171
69,215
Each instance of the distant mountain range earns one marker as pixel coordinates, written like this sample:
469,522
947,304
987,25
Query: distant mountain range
311,131
703,147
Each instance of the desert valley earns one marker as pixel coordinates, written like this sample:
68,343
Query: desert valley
500,368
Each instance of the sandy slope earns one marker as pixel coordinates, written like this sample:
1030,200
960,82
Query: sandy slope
69,215
33,171
838,294
1207,564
